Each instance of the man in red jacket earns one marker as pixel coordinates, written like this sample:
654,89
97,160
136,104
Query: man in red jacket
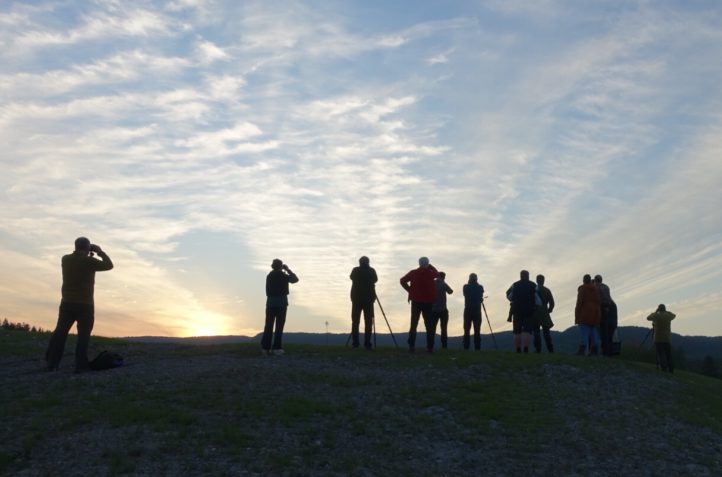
422,295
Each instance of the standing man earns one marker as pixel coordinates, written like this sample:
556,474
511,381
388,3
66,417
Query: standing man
543,316
523,301
422,295
662,323
363,295
439,312
608,322
473,298
587,315
77,303
276,305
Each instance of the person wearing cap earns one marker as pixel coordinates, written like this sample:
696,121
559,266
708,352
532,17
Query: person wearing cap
363,295
77,303
276,306
420,285
522,295
662,324
608,318
473,298
439,311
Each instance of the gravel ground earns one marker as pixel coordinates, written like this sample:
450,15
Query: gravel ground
226,410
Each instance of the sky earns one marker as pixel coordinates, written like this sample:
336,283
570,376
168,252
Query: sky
196,141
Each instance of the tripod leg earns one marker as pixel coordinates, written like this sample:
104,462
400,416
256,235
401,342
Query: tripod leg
387,322
349,339
373,323
488,322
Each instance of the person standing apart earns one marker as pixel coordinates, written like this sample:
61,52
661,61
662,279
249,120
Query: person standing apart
363,295
543,316
608,316
587,314
662,323
77,302
439,312
419,283
276,305
473,298
522,295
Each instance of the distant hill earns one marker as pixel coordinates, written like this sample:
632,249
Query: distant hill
695,348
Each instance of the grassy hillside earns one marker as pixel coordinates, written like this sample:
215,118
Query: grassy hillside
227,410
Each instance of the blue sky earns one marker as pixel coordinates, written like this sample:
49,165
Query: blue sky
198,140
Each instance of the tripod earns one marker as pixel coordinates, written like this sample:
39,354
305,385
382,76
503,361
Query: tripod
373,324
483,307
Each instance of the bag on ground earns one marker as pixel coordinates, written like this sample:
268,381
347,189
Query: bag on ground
106,360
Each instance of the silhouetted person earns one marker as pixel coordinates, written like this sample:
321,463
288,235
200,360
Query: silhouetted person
662,322
608,318
363,295
439,312
587,314
77,303
543,316
422,295
473,297
522,295
276,305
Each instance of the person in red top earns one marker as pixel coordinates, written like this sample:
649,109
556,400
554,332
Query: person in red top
422,295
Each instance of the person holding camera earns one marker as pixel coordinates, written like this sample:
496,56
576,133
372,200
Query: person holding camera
473,298
439,311
662,325
363,295
276,306
76,304
422,294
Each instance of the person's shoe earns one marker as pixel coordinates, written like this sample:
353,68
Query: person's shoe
51,367
266,352
278,352
526,349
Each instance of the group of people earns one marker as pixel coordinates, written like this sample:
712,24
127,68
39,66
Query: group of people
596,315
531,305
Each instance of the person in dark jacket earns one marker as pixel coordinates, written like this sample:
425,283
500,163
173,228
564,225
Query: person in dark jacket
439,312
608,319
276,305
522,295
473,298
587,314
363,296
422,295
77,303
543,317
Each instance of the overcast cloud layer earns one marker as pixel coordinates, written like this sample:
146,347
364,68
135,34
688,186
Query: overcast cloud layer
197,140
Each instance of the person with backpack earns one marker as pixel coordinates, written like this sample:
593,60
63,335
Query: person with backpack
420,285
77,303
439,312
543,317
276,306
363,296
662,325
608,316
473,298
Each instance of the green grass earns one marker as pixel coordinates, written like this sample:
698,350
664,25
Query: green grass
339,400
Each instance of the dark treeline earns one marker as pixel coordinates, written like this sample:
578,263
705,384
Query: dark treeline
9,325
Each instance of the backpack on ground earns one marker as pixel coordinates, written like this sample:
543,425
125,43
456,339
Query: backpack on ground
106,360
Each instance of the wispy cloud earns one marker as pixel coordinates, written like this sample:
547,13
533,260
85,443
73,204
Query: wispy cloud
300,133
